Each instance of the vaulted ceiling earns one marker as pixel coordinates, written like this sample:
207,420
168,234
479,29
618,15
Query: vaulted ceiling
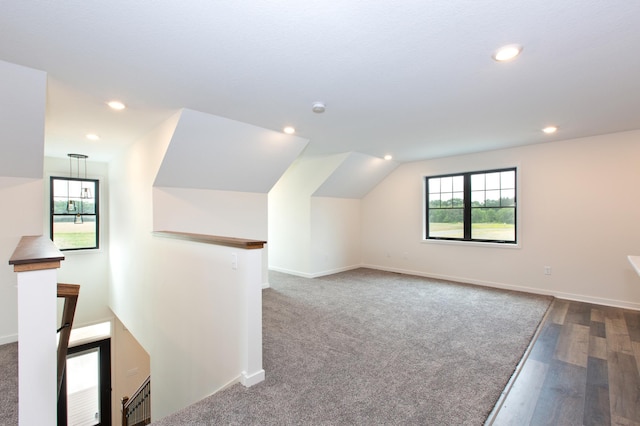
414,79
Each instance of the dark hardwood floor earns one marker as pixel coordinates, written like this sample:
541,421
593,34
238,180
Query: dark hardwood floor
583,369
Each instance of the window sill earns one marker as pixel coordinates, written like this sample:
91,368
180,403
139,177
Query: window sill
82,251
473,243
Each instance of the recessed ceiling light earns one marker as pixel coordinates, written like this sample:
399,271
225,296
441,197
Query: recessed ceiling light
92,137
388,157
550,129
507,52
289,130
116,105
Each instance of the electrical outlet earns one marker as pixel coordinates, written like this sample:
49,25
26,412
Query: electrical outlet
547,270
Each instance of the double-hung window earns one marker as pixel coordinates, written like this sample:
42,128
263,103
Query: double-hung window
473,206
74,219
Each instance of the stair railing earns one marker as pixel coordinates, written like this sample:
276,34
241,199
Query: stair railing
136,411
70,294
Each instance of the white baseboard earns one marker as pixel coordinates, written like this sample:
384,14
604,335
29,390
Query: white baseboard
290,272
315,274
12,338
560,295
335,271
249,380
227,385
265,285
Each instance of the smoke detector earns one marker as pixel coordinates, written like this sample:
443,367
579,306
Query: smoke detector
318,107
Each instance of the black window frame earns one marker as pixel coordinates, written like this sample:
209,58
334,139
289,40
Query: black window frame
95,214
467,207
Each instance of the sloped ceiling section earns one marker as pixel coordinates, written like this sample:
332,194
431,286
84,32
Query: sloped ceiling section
211,152
23,93
355,176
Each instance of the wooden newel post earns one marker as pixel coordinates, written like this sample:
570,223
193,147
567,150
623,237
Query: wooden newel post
124,410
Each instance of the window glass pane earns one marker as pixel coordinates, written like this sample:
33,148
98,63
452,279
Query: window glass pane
446,199
458,183
508,179
60,196
434,185
493,224
60,205
477,182
458,199
508,197
477,198
60,187
492,180
446,184
70,235
492,198
446,223
434,200
87,206
74,188
83,388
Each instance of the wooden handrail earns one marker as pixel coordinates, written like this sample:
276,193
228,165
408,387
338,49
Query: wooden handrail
70,294
241,243
35,252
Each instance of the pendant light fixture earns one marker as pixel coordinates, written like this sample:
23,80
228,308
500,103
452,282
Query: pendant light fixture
85,193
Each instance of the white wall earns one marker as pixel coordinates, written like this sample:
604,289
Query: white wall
130,366
314,212
22,201
131,177
22,106
212,212
579,213
181,300
335,235
197,320
226,213
290,213
89,268
22,110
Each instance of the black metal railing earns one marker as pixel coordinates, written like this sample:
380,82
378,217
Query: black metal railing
136,410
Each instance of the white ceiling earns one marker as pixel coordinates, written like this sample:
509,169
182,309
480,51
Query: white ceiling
412,78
